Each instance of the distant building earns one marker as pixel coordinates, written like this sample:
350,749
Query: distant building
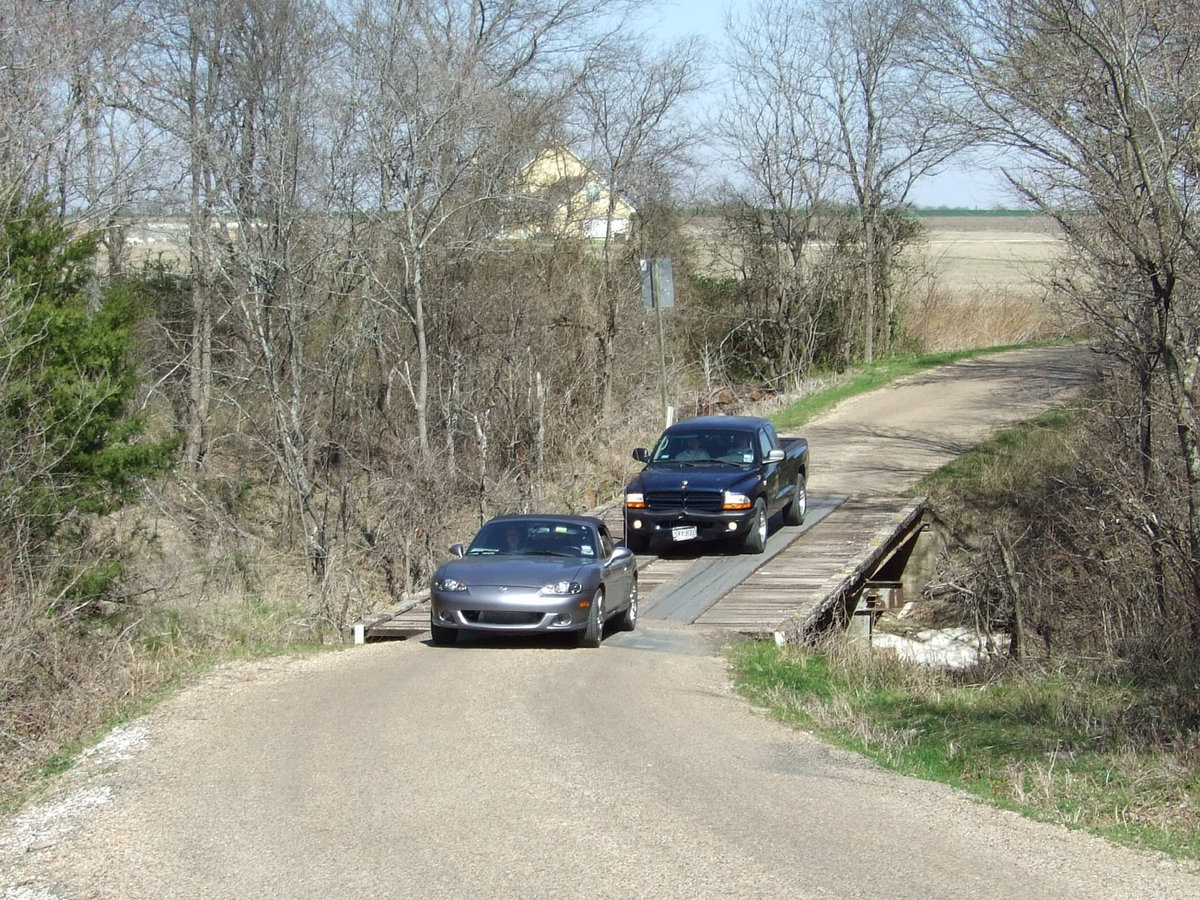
568,200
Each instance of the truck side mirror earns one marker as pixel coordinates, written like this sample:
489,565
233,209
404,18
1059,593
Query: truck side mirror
642,455
775,456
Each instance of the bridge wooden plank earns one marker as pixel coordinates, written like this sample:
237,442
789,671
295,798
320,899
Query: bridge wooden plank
796,587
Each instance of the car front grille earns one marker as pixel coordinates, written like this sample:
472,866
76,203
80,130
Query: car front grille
502,617
696,501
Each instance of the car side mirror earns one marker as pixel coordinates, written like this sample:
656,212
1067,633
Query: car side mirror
457,550
641,454
620,552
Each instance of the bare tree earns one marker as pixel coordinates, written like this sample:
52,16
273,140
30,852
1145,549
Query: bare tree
630,111
62,131
832,104
182,90
453,98
1097,102
891,129
780,150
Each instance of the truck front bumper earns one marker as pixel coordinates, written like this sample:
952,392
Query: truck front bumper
679,527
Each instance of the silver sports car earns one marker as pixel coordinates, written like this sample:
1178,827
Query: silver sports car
532,573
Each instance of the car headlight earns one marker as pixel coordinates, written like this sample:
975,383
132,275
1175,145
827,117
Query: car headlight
448,584
635,500
561,589
736,501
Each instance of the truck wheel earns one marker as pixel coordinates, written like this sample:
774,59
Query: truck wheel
794,512
755,540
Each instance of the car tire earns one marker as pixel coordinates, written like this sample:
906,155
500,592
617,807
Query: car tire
755,540
442,635
638,542
628,620
593,634
794,512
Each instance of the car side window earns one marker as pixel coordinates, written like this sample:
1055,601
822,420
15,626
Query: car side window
606,542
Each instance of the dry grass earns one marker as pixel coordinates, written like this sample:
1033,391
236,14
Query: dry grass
979,281
942,321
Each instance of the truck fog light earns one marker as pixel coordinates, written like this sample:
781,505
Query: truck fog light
731,526
637,524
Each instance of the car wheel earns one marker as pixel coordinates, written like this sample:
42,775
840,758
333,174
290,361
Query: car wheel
637,542
628,620
794,512
442,635
755,540
593,634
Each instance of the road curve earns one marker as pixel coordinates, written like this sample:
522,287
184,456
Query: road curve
522,770
885,441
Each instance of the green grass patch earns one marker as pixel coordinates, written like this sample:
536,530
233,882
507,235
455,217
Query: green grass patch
1049,746
868,378
1009,459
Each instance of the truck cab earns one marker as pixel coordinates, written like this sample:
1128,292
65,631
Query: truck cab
715,478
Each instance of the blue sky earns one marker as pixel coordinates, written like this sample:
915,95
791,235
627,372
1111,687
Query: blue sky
966,187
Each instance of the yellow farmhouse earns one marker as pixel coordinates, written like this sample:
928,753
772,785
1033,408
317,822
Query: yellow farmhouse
571,200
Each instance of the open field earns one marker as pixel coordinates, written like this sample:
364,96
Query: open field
976,280
1012,253
980,280
991,251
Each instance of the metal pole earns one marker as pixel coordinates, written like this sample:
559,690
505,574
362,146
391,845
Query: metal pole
662,343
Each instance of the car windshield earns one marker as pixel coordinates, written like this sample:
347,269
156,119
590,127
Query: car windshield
733,447
533,538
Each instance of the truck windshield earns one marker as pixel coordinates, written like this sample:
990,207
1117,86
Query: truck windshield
732,447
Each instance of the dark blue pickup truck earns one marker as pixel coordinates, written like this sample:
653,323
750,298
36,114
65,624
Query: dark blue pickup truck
715,478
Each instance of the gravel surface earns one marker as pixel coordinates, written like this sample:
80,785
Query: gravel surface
523,769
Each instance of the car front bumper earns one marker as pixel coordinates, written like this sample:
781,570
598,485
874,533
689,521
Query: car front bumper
512,610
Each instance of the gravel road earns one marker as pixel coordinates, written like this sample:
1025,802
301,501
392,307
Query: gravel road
530,770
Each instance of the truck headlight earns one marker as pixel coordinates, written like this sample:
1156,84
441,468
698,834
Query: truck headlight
635,500
736,501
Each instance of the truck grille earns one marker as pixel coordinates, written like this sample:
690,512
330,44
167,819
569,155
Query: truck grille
696,501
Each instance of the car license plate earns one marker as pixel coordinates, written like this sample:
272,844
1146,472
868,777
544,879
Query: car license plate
684,533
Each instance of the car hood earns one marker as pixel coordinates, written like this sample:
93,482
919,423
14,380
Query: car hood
514,571
672,476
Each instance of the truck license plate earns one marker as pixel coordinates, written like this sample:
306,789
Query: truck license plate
684,533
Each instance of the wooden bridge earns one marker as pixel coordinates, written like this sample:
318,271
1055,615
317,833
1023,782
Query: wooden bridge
810,575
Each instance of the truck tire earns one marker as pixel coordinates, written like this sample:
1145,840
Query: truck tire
755,540
794,512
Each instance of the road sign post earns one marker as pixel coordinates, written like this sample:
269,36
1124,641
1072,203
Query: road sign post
658,293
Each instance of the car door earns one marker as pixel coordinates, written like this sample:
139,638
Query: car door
617,568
